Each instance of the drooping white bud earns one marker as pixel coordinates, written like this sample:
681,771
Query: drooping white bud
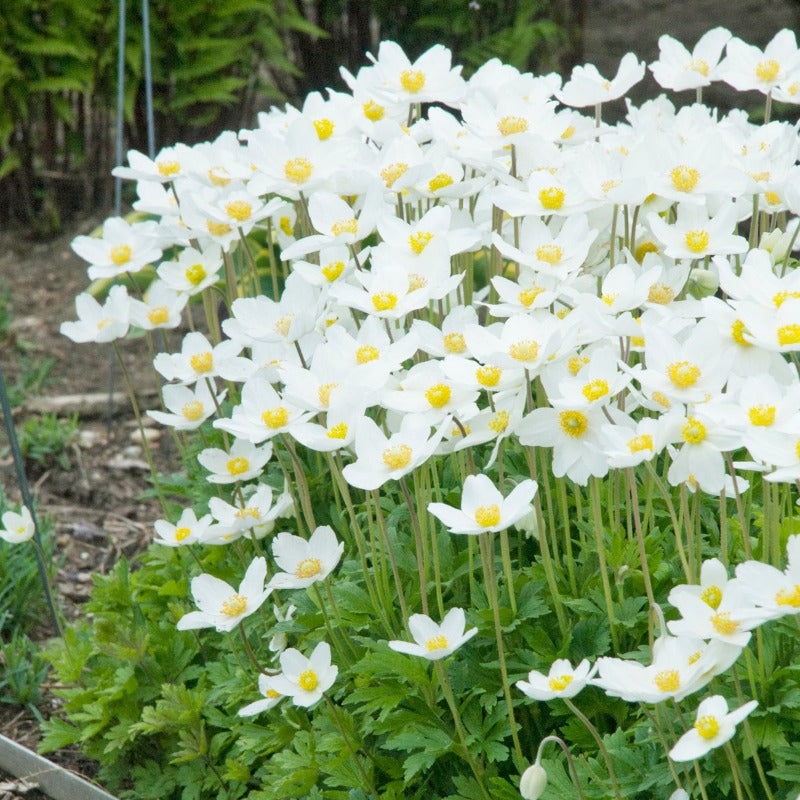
533,782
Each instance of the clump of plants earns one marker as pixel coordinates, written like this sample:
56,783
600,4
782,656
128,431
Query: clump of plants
490,420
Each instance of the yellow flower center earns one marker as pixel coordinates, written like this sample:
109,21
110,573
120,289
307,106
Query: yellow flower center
737,333
217,228
696,241
560,683
723,623
158,315
219,176
283,324
324,128
712,596
510,125
372,111
527,296
308,680
595,389
568,132
412,80
684,178
762,416
397,457
487,516
202,362
552,198
661,399
573,423
694,657
338,431
239,210
438,395
660,293
298,170
439,182
249,511
367,353
419,241
683,374
789,598
576,363
693,431
643,248
416,281
345,226
781,297
549,253
488,376
275,417
181,534
668,680
499,422
454,342
120,254
333,270
192,410
699,65
272,694
234,605
324,393
525,350
285,224
308,568
195,274
384,301
772,198
639,443
768,70
438,642
789,334
168,168
707,726
238,465
394,171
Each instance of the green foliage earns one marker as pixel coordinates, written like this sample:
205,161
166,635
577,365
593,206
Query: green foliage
23,669
44,439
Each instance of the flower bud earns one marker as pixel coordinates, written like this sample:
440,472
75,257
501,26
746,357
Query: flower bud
703,282
533,782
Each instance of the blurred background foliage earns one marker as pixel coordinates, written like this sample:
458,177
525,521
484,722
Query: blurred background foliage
215,64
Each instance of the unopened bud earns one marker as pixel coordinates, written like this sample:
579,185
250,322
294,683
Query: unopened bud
703,282
533,782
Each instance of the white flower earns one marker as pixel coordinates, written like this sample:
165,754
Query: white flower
303,679
483,507
561,681
187,409
243,462
714,725
222,607
17,527
587,87
434,641
98,323
305,562
198,359
774,592
679,69
187,530
121,248
271,697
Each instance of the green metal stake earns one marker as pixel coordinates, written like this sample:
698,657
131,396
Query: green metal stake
19,465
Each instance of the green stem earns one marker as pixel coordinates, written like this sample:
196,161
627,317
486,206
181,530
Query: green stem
597,524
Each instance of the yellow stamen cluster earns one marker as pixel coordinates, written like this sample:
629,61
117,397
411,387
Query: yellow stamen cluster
722,623
283,324
234,605
684,178
549,253
239,210
789,598
394,171
324,393
159,315
559,683
308,680
195,274
488,376
333,270
373,111
412,80
696,240
527,296
285,224
181,534
192,410
707,726
341,226
524,350
573,423
499,422
217,228
668,680
419,241
781,297
202,362
768,70
511,125
219,176
438,642
397,457
238,465
275,417
552,198
693,431
639,443
737,333
324,128
338,431
367,353
643,248
660,293
120,254
298,170
487,516
595,389
384,301
712,596
168,168
439,181
438,395
789,334
576,363
308,568
762,416
699,65
683,374
454,342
